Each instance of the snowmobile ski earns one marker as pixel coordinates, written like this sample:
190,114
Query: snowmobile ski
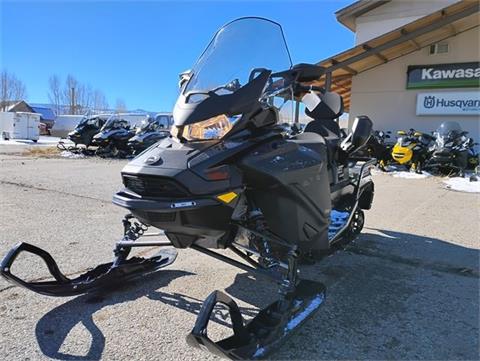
103,277
269,329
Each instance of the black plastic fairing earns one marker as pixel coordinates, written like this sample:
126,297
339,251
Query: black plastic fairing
239,102
288,181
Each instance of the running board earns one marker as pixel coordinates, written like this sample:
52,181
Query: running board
338,222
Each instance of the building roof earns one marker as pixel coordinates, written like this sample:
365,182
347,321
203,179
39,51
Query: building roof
20,106
430,29
348,14
45,112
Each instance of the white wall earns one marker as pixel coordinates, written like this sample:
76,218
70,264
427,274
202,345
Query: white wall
393,15
381,92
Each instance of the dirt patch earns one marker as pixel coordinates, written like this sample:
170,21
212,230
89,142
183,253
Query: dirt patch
44,152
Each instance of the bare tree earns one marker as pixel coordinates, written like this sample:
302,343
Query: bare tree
75,97
69,94
99,102
120,106
11,89
55,93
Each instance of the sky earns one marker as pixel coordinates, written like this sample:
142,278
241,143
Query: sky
134,50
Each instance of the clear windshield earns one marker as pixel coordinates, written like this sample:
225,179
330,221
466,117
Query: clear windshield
447,128
151,125
235,51
238,53
115,122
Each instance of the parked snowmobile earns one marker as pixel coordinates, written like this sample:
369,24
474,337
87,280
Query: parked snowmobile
451,150
412,149
473,155
150,131
378,148
85,131
228,177
112,140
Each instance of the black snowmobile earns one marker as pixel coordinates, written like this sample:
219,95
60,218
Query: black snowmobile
379,148
451,151
228,177
150,131
112,140
84,132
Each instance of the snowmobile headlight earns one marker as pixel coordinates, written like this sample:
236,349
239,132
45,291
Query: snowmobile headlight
212,128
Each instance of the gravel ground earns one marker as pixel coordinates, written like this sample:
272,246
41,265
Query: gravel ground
407,288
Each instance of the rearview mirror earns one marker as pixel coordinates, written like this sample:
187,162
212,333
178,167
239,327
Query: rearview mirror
361,131
184,78
308,72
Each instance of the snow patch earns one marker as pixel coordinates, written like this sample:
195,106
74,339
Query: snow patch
410,175
68,154
42,141
462,184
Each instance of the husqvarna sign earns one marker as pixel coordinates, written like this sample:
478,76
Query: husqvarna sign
449,103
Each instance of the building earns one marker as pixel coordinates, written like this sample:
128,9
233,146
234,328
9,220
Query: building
414,64
47,116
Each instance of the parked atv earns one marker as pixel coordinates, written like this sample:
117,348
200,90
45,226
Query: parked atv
229,178
112,140
150,131
412,149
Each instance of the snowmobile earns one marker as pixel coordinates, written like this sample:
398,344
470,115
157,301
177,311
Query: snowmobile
150,131
378,148
84,132
452,150
112,140
229,178
412,149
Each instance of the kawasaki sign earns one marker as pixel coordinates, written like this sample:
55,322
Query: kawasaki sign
449,103
458,75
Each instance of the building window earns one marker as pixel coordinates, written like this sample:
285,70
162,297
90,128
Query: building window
438,48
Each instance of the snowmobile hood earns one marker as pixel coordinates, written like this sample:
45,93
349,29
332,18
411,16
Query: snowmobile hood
164,157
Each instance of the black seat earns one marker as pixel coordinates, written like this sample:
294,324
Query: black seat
324,109
313,141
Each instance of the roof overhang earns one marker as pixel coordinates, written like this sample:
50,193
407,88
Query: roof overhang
438,26
348,14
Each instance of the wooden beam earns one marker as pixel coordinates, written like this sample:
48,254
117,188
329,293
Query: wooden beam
341,92
342,77
409,36
379,55
411,41
346,67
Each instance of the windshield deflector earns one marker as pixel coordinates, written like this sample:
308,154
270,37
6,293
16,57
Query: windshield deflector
449,127
235,52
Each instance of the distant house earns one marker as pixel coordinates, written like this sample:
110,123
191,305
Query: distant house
47,116
20,106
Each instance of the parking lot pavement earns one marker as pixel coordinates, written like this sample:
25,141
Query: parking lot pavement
407,288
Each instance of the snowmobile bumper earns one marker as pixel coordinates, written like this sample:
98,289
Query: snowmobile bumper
103,277
264,333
